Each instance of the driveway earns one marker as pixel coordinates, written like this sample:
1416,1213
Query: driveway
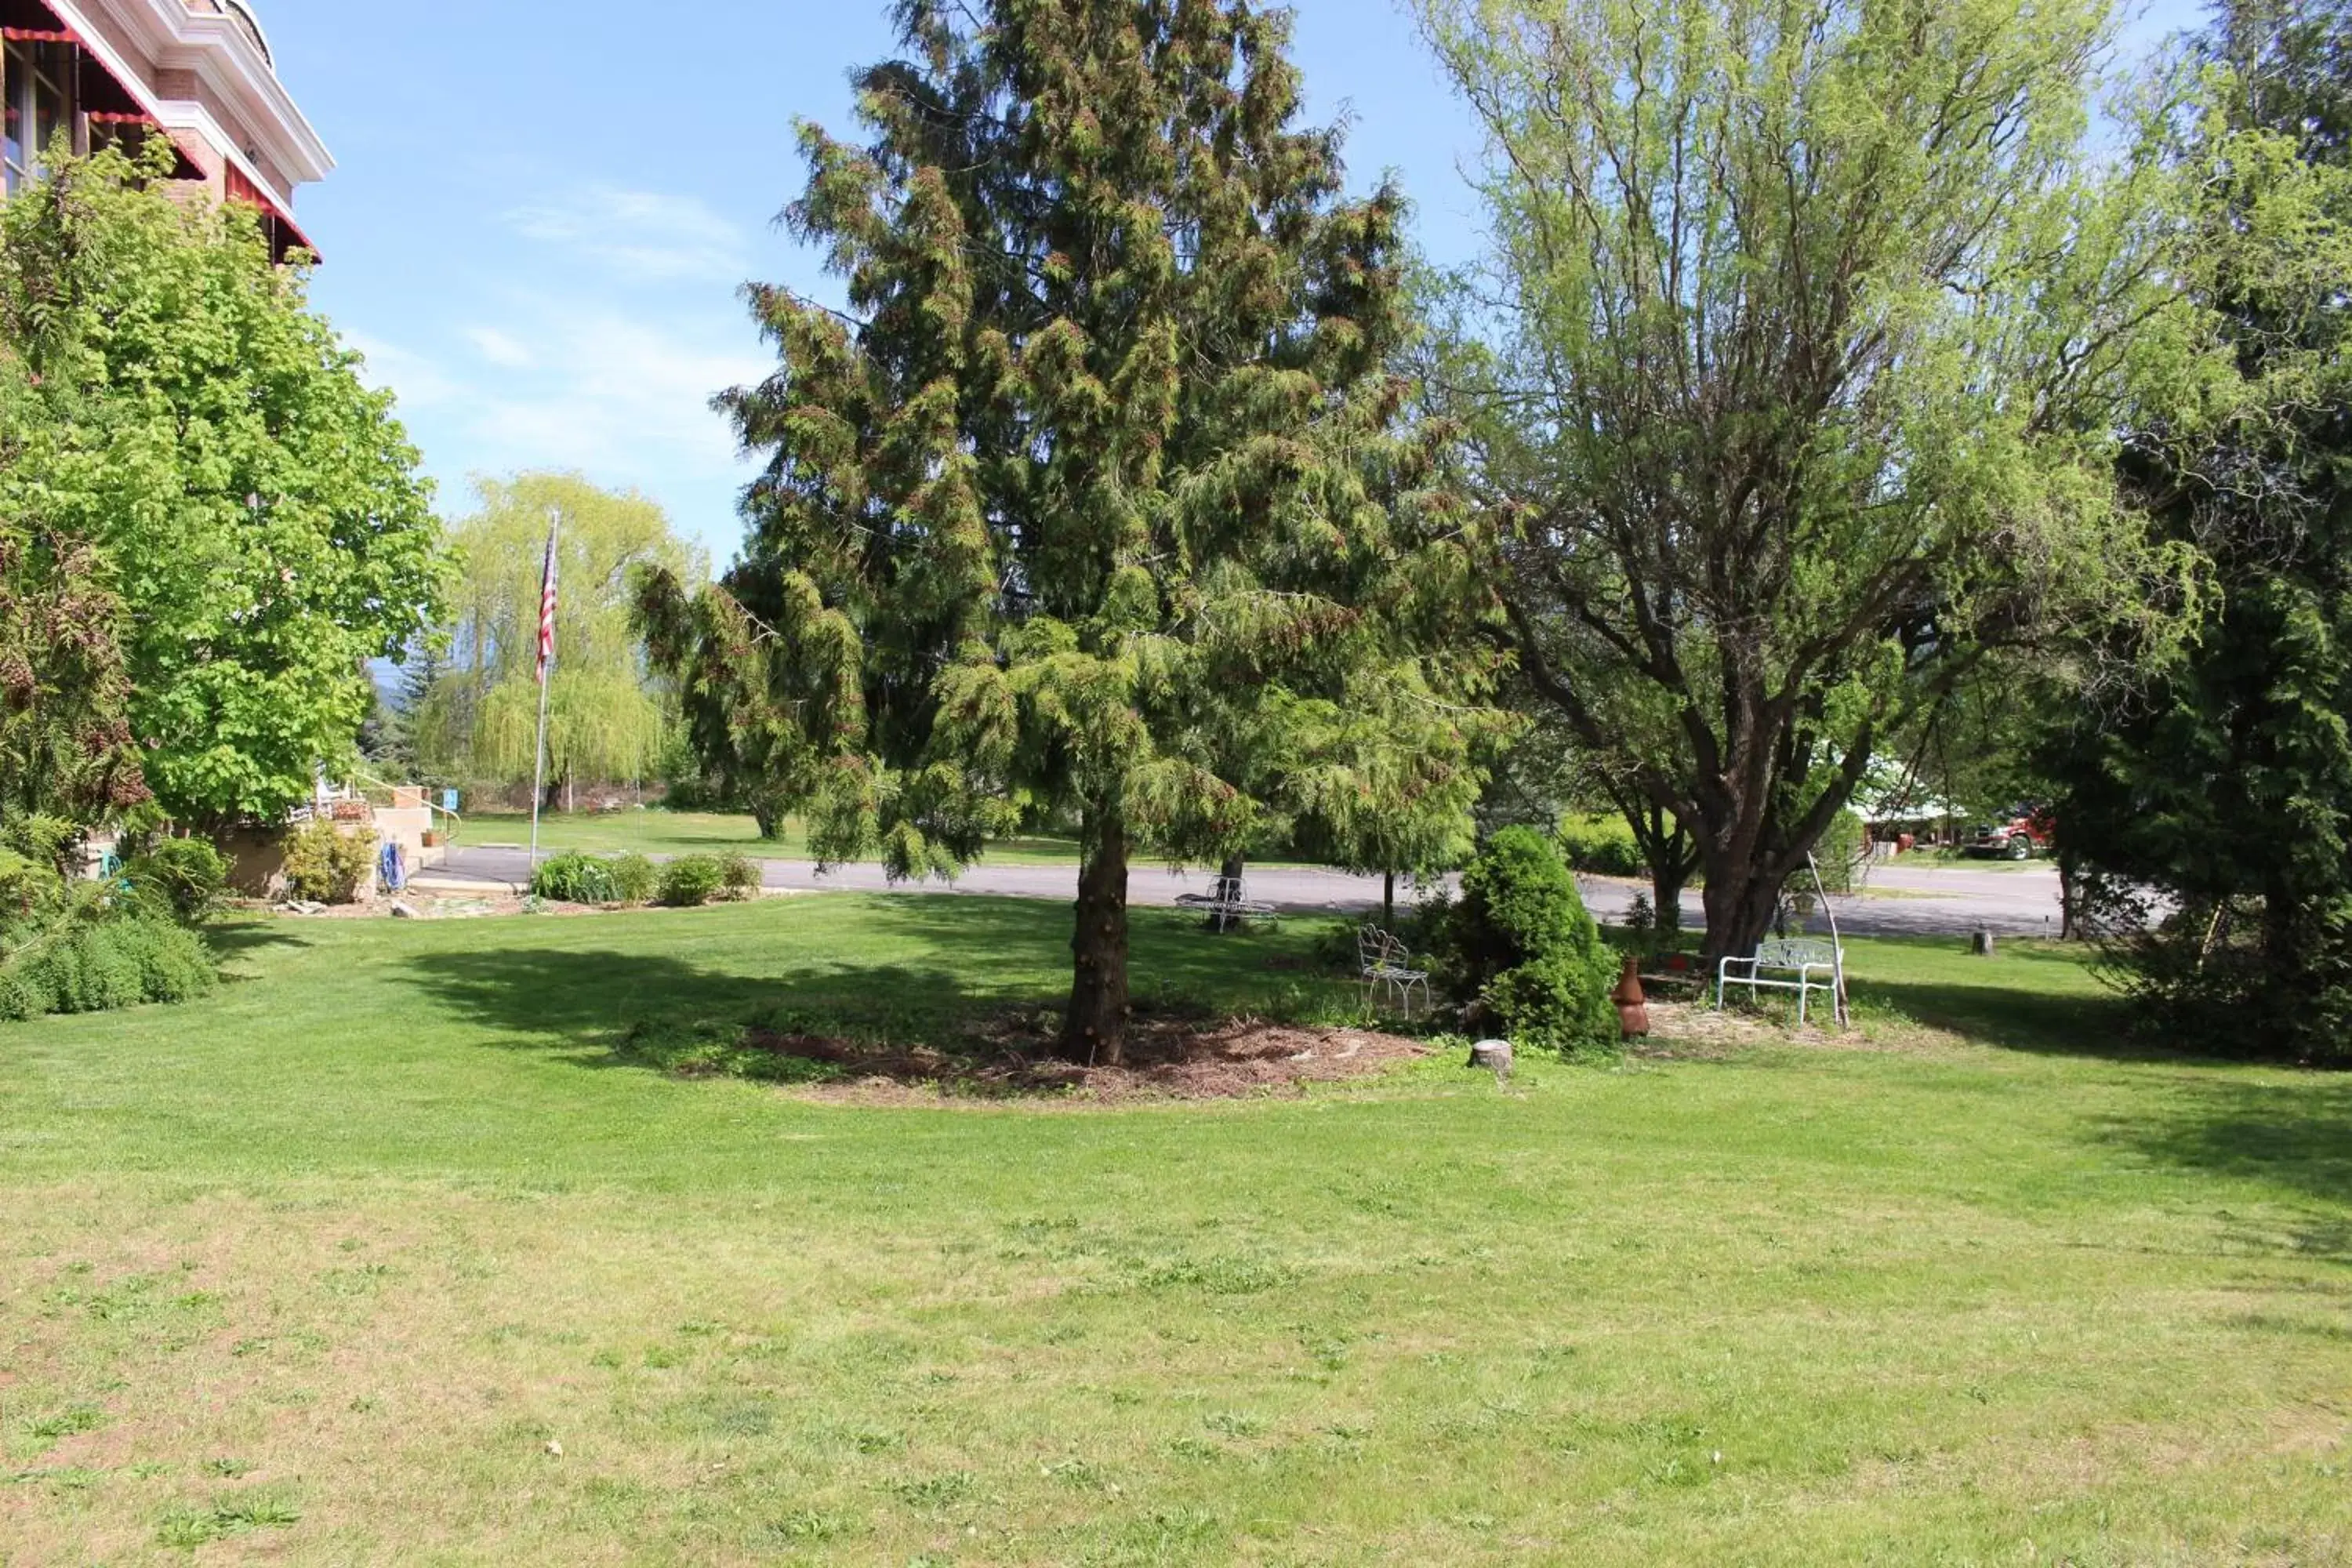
1914,899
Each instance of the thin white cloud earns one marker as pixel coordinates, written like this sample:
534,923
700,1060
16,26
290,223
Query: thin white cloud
571,381
614,389
643,235
416,381
500,347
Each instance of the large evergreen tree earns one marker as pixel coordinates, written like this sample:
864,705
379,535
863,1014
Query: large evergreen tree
1098,496
2215,806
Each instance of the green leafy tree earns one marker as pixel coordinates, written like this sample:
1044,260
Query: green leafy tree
66,745
1791,377
2214,804
258,510
1099,497
605,719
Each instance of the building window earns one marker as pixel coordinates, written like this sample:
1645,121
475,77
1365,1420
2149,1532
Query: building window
36,83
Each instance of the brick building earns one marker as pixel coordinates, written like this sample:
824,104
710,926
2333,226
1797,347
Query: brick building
198,71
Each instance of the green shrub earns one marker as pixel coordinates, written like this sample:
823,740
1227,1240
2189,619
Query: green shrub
691,880
1843,852
96,966
738,876
24,884
1520,942
326,866
48,841
1601,845
182,877
634,879
575,878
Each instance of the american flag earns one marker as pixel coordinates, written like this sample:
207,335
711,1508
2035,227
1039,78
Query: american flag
547,611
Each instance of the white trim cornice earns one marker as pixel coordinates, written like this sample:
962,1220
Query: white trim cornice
215,47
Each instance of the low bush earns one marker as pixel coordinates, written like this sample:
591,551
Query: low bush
634,879
181,878
327,867
691,880
81,966
1601,845
739,877
575,878
1521,943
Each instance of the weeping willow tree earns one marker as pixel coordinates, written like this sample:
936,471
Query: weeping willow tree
605,718
1100,496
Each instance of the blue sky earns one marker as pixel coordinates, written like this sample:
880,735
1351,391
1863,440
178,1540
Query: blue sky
543,209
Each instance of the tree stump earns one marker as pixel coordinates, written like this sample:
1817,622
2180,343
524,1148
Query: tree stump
1495,1056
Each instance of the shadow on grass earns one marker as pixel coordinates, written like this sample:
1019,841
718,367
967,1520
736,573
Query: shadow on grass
590,1002
236,938
2293,1133
2002,1016
951,964
2035,998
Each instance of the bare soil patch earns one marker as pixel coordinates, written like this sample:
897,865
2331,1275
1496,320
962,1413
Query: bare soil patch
1166,1059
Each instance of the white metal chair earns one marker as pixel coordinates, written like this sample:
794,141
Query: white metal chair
1227,903
1802,966
1383,965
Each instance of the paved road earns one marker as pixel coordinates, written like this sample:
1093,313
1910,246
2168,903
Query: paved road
1916,898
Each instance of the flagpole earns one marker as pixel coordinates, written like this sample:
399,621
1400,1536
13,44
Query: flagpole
546,678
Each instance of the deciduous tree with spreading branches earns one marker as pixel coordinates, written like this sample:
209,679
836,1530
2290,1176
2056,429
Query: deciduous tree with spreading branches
1794,375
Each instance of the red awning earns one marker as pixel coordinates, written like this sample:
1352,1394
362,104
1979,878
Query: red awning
285,234
39,35
291,230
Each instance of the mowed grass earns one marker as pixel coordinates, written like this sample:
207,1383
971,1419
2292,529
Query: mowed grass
389,1253
659,832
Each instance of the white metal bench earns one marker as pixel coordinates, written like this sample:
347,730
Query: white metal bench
1226,903
1383,965
1801,966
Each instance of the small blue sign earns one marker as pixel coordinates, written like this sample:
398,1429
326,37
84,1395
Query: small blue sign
449,801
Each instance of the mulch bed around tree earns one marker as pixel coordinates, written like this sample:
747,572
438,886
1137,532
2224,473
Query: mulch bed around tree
1166,1059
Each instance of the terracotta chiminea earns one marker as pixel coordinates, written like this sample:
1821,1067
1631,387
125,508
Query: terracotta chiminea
1632,1007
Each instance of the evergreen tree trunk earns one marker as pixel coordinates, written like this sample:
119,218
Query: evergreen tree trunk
1096,1029
1229,881
1388,901
2069,897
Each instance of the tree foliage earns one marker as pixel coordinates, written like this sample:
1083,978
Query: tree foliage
1793,375
254,510
66,743
2215,807
1521,944
604,719
1100,497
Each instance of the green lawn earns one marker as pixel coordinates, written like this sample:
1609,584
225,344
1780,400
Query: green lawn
657,832
328,1267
